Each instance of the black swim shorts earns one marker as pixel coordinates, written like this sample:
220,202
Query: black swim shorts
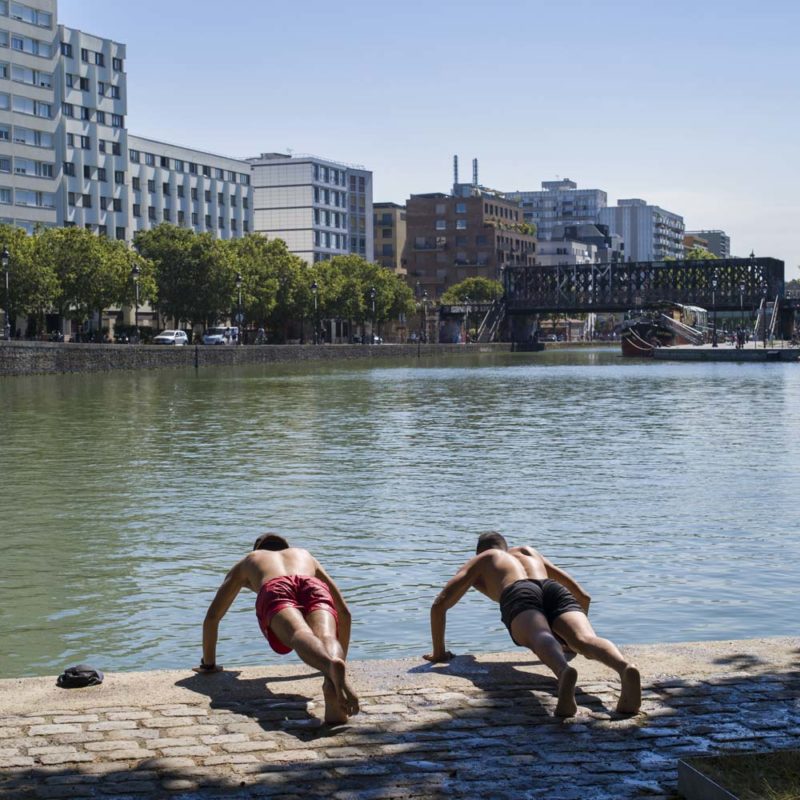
546,596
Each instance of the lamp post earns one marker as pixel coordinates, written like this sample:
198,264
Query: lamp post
135,276
6,260
314,289
466,319
239,314
741,303
372,295
764,306
425,314
714,342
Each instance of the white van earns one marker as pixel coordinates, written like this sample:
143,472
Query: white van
228,335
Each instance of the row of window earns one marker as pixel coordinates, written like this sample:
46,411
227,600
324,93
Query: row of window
28,136
25,105
441,224
103,89
330,197
31,77
331,241
92,114
180,219
28,167
166,190
500,211
95,173
26,44
100,229
330,219
26,197
78,200
179,165
23,13
337,177
91,57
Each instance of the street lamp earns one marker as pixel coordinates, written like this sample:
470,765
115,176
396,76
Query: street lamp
372,295
239,315
741,303
714,342
425,314
314,289
764,306
5,258
466,319
135,276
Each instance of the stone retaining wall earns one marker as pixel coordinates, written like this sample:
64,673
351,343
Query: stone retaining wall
30,358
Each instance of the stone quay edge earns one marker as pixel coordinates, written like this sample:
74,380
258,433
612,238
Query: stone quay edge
482,725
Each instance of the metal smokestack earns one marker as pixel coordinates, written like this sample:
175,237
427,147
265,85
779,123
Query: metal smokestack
474,171
455,170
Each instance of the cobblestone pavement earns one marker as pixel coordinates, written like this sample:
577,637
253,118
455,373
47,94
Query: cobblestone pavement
482,726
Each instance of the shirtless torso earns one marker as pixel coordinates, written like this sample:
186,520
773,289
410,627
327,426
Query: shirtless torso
260,566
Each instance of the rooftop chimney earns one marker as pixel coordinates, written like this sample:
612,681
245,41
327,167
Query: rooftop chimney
455,170
475,172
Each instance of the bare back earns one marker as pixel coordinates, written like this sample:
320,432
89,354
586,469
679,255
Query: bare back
261,566
497,569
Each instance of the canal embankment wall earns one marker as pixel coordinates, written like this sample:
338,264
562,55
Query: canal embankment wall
38,358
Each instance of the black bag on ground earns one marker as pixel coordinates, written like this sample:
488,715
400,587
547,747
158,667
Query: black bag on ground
80,676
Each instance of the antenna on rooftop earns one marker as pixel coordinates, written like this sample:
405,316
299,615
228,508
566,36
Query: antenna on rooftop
474,171
455,170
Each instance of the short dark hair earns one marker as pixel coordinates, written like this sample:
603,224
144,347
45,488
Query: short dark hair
270,541
491,540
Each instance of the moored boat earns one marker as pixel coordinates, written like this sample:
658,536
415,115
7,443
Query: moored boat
668,325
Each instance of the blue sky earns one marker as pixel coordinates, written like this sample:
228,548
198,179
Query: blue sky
693,106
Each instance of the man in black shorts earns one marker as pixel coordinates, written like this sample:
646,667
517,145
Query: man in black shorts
538,602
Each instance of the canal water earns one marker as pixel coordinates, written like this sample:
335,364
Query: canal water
668,490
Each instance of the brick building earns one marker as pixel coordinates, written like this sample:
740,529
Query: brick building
453,238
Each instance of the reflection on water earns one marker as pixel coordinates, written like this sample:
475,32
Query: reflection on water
668,490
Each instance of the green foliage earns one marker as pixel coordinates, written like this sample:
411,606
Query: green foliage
33,285
698,253
479,290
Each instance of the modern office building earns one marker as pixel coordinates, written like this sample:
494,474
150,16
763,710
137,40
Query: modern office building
609,246
565,252
453,238
717,242
189,188
559,203
320,208
650,233
390,236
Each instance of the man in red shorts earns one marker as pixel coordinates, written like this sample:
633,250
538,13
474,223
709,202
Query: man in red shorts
540,604
299,607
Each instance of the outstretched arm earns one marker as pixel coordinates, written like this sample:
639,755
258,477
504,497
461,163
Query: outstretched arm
343,612
453,591
567,581
226,594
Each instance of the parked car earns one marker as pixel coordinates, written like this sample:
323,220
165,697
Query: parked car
221,336
171,337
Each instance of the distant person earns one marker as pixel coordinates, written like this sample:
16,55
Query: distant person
537,600
298,607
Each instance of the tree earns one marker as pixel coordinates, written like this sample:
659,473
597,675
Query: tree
479,290
698,253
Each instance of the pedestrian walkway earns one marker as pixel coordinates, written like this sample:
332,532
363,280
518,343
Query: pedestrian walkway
479,727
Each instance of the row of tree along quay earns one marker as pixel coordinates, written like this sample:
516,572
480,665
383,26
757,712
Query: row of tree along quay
191,280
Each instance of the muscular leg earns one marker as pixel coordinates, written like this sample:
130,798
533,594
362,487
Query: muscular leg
530,629
341,700
575,628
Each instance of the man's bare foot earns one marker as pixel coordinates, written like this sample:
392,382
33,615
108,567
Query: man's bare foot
630,698
567,707
345,695
333,711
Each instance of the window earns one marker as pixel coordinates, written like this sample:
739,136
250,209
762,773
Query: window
101,174
181,218
245,202
461,208
120,232
234,226
85,142
84,55
5,164
33,77
87,172
113,91
69,168
387,233
119,176
481,240
5,196
179,165
134,156
117,121
99,59
67,109
194,193
167,215
71,199
101,88
180,191
440,208
25,105
66,49
195,218
151,213
245,180
137,210
220,174
31,15
233,201
207,172
116,63
28,197
137,184
208,220
165,188
245,226
192,168
461,224
151,186
208,195
100,116
221,221
220,199
103,203
101,144
149,159
5,133
83,84
441,225
116,148
164,162
87,200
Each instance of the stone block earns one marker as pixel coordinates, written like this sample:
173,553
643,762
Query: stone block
49,730
65,758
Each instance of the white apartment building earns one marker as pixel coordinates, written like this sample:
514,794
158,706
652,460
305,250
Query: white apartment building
29,119
320,208
650,233
186,187
559,202
565,253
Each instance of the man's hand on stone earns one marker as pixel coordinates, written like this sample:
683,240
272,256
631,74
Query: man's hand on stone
438,658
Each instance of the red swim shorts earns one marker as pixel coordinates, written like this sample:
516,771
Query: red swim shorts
291,591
